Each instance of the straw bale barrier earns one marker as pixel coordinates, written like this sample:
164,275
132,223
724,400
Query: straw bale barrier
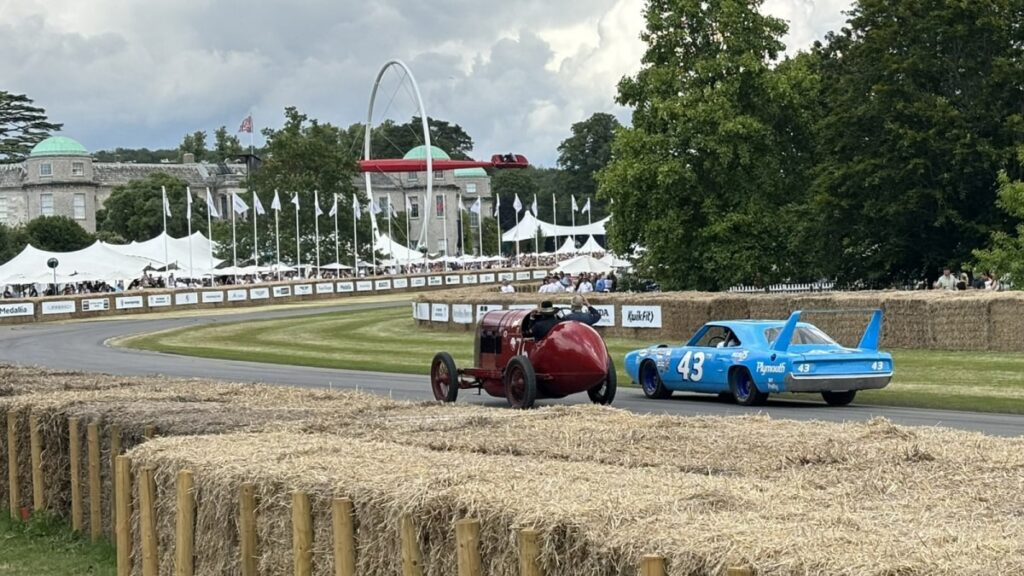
928,320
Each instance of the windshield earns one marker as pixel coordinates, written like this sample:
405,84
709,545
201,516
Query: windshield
802,335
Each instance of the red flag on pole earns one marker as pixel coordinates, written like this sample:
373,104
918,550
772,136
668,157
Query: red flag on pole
246,125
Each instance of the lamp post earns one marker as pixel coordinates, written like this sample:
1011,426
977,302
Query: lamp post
53,263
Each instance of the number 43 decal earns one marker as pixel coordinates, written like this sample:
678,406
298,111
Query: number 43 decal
692,372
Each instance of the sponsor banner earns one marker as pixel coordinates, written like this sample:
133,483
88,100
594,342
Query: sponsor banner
469,279
438,312
364,285
259,293
540,274
128,302
383,284
95,304
522,275
502,276
212,297
419,282
522,307
282,291
641,316
487,278
186,299
453,279
401,283
607,314
304,290
19,309
422,311
325,288
60,307
155,301
346,287
435,281
462,313
482,309
237,295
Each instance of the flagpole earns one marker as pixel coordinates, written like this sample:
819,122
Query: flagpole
517,238
497,218
391,211
444,210
480,224
191,268
209,230
408,218
298,242
458,222
316,228
554,218
574,224
355,239
166,205
373,236
255,239
234,245
337,250
277,233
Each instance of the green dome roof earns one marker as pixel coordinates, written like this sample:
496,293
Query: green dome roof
471,173
420,153
58,146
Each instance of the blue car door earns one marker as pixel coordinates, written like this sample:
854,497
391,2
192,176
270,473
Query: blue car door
704,366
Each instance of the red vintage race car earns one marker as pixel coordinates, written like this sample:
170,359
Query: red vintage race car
512,363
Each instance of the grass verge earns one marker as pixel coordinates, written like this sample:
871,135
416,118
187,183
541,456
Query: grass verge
45,546
388,341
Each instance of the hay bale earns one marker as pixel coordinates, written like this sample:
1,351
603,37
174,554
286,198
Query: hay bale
1006,322
908,321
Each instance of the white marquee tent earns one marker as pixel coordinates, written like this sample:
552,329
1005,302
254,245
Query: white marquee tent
177,251
527,227
98,262
581,264
567,247
590,246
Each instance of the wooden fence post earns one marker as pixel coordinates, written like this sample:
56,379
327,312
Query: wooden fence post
123,479
247,527
14,488
115,451
36,445
95,515
529,553
467,539
412,559
344,537
185,526
147,522
740,571
75,448
302,534
652,565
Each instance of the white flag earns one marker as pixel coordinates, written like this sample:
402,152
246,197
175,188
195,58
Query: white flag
276,204
586,207
408,204
188,203
316,203
518,204
334,207
355,208
375,208
462,207
210,206
575,208
475,208
391,206
497,205
238,205
295,200
167,205
257,204
534,205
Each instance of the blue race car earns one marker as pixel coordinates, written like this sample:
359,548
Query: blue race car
749,359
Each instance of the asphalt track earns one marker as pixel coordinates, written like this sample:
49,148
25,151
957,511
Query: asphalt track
83,346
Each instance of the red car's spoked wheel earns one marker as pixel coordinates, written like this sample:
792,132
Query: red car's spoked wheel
520,383
444,377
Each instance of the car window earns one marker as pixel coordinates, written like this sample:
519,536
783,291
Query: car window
719,336
802,335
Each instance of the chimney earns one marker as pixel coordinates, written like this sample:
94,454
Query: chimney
188,158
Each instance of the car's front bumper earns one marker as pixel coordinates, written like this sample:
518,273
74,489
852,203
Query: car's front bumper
836,382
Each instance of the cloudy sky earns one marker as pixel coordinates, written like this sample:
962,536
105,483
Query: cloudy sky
516,74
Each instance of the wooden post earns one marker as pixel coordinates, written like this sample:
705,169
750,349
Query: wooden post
36,444
467,538
147,522
652,565
344,537
76,474
740,571
247,529
184,560
95,515
14,488
115,451
302,534
412,559
123,528
149,432
529,553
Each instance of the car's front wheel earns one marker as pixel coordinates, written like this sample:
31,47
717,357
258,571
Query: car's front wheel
604,392
651,382
743,389
839,398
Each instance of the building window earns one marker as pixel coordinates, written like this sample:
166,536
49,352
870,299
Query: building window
474,219
439,175
78,168
45,170
439,205
3,209
79,206
441,247
413,177
414,207
471,188
384,203
46,204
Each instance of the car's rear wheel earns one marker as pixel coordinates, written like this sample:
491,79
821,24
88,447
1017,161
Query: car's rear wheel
604,392
651,382
743,389
839,398
520,383
444,377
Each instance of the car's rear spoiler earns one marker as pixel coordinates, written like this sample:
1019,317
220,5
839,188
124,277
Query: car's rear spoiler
869,341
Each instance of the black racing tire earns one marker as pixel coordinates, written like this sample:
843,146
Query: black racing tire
650,381
604,392
520,382
444,377
839,398
743,389
726,397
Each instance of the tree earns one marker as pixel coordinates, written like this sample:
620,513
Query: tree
137,155
57,234
22,126
391,139
1005,253
587,152
922,110
506,184
711,178
134,211
195,144
226,146
12,242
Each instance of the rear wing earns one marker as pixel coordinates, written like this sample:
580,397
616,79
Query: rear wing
869,341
